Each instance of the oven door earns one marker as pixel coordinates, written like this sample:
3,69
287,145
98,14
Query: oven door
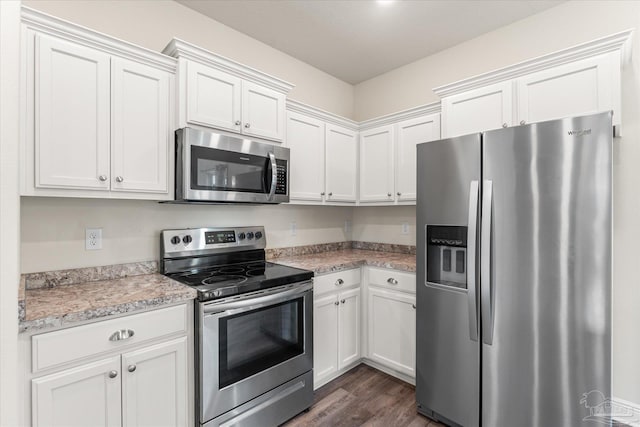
251,345
220,168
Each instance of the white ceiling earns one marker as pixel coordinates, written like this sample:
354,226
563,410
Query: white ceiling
357,40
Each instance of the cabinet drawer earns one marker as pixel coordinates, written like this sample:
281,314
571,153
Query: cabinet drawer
56,348
392,279
336,281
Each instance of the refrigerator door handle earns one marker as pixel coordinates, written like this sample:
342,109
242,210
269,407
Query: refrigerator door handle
486,279
472,232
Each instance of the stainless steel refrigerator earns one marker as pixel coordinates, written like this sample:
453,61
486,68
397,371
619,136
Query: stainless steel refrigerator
514,274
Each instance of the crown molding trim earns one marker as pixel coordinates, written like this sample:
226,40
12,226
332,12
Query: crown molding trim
616,42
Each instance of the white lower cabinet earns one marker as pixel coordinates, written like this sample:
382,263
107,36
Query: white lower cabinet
336,329
131,385
392,330
81,396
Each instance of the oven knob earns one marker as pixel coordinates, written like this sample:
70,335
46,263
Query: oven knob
258,234
241,236
250,235
187,239
175,240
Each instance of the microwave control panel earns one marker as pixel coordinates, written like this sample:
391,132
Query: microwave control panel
281,181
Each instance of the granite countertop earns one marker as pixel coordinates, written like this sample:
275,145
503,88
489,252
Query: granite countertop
328,262
64,305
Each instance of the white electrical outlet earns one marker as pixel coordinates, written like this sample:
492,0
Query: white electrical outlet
293,228
93,239
405,228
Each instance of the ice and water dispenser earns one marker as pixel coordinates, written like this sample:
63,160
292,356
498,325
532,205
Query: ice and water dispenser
447,255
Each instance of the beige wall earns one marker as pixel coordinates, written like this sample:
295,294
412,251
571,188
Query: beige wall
561,27
152,24
384,224
53,229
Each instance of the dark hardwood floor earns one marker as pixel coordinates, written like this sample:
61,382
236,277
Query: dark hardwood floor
363,397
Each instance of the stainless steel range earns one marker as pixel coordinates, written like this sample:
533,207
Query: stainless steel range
254,331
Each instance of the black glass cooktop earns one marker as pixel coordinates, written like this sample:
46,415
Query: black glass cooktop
233,279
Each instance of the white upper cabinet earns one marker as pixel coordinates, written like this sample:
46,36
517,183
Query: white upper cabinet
305,138
140,133
217,92
376,164
324,157
410,133
583,79
341,160
477,110
71,115
263,111
213,97
578,88
98,116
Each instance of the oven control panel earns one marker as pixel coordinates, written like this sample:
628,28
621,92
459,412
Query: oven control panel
195,241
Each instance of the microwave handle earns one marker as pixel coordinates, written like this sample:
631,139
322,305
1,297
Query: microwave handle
274,175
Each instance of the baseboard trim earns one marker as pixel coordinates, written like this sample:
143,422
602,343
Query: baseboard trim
399,375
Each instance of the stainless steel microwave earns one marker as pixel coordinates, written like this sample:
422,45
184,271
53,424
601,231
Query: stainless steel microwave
212,167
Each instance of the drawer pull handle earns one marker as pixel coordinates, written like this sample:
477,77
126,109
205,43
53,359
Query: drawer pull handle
336,303
413,305
132,368
392,281
113,374
342,301
339,282
122,334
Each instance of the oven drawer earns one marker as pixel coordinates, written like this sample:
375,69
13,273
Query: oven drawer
67,345
392,279
336,281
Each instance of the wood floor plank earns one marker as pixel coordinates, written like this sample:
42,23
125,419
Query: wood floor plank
363,397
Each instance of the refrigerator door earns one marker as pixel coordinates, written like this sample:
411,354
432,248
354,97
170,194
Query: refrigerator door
447,327
546,271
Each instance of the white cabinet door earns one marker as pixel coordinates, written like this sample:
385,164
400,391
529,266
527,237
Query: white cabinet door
341,164
213,98
263,111
349,328
376,164
71,116
477,110
578,88
305,138
79,397
392,330
140,131
325,337
409,134
154,385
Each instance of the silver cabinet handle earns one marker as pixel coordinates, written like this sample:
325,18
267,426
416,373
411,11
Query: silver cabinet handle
399,193
522,122
102,178
238,123
330,194
504,125
472,235
342,301
336,303
113,374
322,194
388,194
247,125
392,281
413,306
131,368
121,335
339,282
119,179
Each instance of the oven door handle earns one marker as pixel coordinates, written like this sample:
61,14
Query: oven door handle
258,301
274,175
